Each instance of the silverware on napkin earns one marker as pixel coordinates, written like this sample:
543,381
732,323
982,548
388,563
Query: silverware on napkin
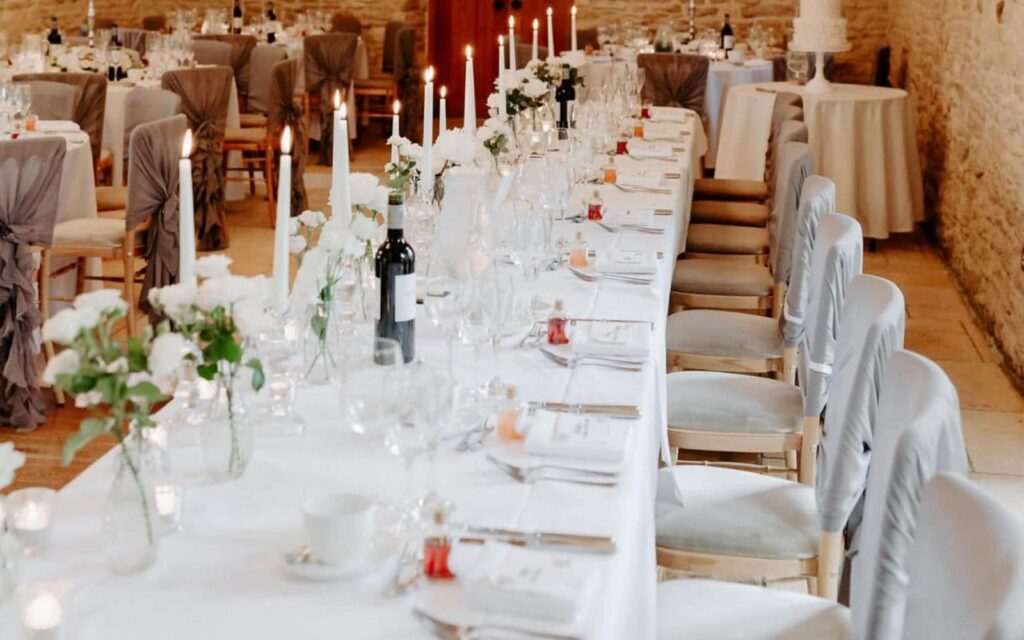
610,410
553,472
576,541
450,631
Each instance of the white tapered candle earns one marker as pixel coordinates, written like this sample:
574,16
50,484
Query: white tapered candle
536,35
186,215
442,111
282,225
551,34
469,108
341,201
512,43
502,110
395,128
572,15
428,127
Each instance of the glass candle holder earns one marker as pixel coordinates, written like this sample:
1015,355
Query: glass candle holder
42,611
30,514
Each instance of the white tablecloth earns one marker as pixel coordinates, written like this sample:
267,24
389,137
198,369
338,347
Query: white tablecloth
221,576
722,76
863,139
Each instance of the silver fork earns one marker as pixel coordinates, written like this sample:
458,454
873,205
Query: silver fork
621,277
640,189
450,631
630,227
533,474
509,467
597,361
535,332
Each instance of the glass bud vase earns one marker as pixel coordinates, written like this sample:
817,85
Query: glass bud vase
226,435
319,346
130,532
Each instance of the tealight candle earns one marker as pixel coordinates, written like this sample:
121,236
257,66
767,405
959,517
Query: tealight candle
41,616
30,517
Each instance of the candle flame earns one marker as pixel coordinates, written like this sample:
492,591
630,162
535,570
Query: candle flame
286,140
536,24
573,10
397,106
511,22
429,74
186,144
344,110
444,92
501,41
469,51
337,99
550,11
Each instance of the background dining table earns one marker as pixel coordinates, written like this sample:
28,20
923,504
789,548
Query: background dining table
723,76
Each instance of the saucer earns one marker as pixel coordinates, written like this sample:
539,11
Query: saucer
298,564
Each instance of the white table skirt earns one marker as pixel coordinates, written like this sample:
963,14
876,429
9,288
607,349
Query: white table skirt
221,575
863,138
722,76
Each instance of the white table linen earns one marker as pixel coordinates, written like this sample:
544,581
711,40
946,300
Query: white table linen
221,575
722,76
863,139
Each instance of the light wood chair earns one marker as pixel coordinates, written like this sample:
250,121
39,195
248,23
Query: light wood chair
257,148
376,95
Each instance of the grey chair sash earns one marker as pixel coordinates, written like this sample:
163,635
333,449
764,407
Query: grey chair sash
329,67
53,100
264,58
240,56
286,110
144,105
675,80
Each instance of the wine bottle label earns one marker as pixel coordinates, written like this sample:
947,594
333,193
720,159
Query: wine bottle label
396,216
405,297
237,22
727,42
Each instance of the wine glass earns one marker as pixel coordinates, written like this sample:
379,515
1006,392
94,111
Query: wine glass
532,248
374,398
445,298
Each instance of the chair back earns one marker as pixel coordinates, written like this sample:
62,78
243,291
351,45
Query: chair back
134,39
30,170
211,52
391,30
795,164
817,199
346,22
916,436
205,93
966,566
788,131
587,38
870,330
155,149
675,80
91,102
284,109
524,53
144,104
103,23
239,57
407,79
329,66
53,100
837,259
264,58
154,23
880,67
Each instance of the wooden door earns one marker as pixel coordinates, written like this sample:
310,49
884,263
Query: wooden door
454,24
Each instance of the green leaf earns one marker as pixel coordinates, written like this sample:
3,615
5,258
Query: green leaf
207,371
147,391
259,378
319,326
89,429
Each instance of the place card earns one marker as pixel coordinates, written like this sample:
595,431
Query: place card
589,438
622,261
616,339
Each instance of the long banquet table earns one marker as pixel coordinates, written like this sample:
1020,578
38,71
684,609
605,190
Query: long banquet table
221,575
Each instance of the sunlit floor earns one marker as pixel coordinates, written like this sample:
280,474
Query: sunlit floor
939,325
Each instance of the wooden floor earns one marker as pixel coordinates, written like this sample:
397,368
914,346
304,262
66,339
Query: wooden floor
939,325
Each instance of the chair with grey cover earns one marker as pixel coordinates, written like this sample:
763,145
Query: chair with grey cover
53,100
212,52
329,67
241,55
675,80
264,58
91,94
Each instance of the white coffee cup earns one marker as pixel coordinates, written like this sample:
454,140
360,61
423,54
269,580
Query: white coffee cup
339,528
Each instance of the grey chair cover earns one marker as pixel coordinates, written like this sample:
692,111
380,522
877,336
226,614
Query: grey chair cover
871,329
144,105
205,93
817,199
587,38
134,39
212,52
91,105
346,22
966,567
407,80
329,65
831,273
391,31
917,435
240,56
788,131
264,58
153,195
53,100
285,109
30,172
675,80
524,51
795,164
154,23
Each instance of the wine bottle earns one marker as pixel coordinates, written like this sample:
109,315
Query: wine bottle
114,40
54,36
236,18
396,280
727,37
271,24
565,94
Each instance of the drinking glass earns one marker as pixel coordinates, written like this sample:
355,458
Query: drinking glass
281,353
375,396
445,298
532,249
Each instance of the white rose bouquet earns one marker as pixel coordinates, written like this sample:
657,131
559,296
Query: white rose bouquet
405,171
495,136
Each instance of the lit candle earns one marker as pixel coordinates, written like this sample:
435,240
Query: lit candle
428,127
340,200
186,215
169,505
42,616
512,66
283,224
551,34
469,111
442,111
502,111
396,107
572,32
536,35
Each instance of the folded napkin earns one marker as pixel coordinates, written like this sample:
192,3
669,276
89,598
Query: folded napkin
646,149
528,584
576,437
620,339
56,126
755,62
670,114
656,130
638,217
638,262
645,180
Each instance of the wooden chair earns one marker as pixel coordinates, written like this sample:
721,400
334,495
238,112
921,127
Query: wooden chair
329,65
262,62
375,95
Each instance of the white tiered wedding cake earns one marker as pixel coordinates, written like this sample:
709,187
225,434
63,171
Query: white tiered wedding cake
820,27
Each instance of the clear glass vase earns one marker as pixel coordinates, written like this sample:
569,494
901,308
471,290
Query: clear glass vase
226,434
10,561
320,345
130,532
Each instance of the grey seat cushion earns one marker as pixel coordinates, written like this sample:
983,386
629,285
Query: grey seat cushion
696,609
720,238
722,278
737,513
723,333
732,403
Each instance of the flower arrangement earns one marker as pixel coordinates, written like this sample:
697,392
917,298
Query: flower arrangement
404,172
10,461
456,147
523,91
85,58
495,136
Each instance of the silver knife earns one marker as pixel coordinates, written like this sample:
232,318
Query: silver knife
578,542
612,410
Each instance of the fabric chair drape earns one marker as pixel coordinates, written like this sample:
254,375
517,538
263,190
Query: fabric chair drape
91,104
205,93
134,39
212,52
346,22
143,105
154,23
30,172
240,57
329,66
153,196
264,58
285,110
407,81
53,100
675,80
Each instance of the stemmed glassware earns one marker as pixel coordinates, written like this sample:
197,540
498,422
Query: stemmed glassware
375,397
446,300
532,248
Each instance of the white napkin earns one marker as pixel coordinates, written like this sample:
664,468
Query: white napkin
621,339
654,130
645,149
646,180
577,437
56,126
640,262
670,114
528,584
637,217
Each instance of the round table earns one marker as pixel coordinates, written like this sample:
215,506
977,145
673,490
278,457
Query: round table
863,138
722,76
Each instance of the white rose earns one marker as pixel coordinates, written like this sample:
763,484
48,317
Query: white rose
398,141
251,318
334,237
379,202
535,88
174,299
165,354
411,150
67,361
364,227
101,300
457,147
10,461
494,101
361,188
312,219
213,266
294,226
220,291
296,244
305,287
64,326
88,399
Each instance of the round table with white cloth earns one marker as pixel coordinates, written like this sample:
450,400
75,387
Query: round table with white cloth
723,76
863,138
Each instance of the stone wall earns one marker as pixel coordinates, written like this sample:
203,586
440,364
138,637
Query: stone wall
963,62
867,17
